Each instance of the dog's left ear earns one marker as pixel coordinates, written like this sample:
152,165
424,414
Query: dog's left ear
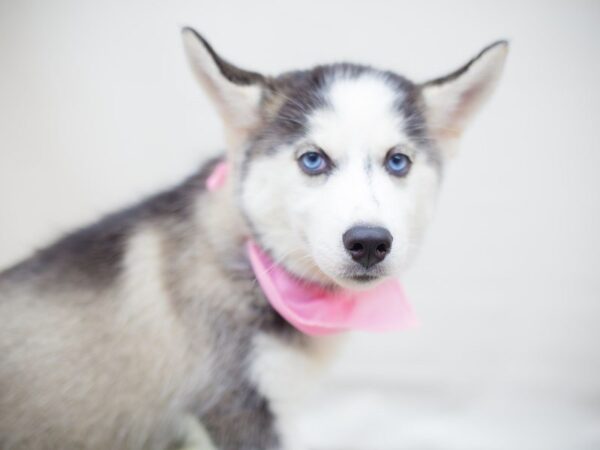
235,92
451,101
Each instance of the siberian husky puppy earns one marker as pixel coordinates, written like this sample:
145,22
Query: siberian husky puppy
126,333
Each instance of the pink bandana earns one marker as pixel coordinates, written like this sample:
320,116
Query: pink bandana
317,311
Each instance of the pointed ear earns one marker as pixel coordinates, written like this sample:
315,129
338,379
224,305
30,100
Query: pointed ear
451,101
235,92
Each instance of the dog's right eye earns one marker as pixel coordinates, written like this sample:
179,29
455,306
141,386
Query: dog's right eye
313,163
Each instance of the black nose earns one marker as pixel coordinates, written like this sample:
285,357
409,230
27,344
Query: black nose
367,245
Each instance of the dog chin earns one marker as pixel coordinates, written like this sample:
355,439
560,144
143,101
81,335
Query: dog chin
360,282
346,278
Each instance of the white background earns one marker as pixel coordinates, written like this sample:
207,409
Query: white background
98,109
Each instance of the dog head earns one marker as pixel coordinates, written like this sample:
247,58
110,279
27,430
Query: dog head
338,167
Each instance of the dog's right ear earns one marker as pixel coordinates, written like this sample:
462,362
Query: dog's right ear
236,93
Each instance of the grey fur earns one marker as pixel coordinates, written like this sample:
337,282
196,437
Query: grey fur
93,255
298,93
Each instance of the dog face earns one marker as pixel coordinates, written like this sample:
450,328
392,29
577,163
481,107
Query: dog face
338,167
338,188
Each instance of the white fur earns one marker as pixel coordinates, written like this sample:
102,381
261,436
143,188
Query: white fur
285,374
359,129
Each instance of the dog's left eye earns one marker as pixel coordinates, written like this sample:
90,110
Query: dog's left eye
313,163
398,164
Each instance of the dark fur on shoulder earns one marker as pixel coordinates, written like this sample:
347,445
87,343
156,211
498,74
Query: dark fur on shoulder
92,255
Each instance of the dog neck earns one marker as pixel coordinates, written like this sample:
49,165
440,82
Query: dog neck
220,216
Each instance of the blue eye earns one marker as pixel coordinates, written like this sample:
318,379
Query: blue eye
313,163
398,164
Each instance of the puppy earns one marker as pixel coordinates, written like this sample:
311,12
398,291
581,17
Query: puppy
148,326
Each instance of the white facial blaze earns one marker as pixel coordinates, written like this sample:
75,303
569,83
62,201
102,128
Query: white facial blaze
361,117
302,218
